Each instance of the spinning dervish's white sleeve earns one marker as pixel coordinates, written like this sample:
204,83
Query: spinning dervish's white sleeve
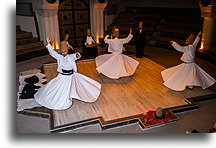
116,65
61,90
196,41
53,53
74,58
183,48
116,45
108,41
126,40
178,47
187,73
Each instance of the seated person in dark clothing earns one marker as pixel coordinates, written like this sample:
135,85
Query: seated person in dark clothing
89,46
30,88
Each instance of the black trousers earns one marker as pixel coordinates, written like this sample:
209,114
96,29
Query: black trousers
139,50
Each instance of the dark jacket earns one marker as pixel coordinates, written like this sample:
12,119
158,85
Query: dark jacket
140,38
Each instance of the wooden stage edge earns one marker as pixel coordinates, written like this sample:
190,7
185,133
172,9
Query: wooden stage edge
192,104
46,113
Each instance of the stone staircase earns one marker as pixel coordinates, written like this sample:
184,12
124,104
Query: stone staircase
130,19
161,24
177,25
27,46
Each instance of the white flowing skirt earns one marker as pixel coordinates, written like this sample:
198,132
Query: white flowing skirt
180,76
116,65
59,92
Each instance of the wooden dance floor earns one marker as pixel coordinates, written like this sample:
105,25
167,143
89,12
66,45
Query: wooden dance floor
127,96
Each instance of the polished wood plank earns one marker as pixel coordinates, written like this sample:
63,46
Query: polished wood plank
124,97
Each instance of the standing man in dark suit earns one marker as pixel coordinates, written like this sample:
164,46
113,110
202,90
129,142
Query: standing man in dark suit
140,38
89,45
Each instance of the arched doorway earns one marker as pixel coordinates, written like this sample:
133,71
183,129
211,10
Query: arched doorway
74,19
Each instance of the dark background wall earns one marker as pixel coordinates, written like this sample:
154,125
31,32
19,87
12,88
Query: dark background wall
118,6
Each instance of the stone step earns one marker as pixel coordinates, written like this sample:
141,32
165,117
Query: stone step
178,30
164,45
20,31
23,35
126,29
182,24
26,41
23,51
185,18
168,39
176,35
29,46
132,23
139,15
33,53
161,24
156,10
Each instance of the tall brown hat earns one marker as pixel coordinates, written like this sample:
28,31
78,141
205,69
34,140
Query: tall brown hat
64,46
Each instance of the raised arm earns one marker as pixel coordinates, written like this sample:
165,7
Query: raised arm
76,56
177,46
126,40
106,40
129,37
196,41
69,46
53,53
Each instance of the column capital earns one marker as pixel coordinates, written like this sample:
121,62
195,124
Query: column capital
208,11
50,6
100,5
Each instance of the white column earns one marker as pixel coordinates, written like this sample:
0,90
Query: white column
56,28
208,13
207,34
40,19
46,24
101,29
51,22
98,20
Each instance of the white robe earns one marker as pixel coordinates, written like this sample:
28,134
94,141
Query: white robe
58,93
187,73
116,65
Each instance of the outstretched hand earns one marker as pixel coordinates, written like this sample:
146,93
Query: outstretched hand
172,41
199,33
78,56
131,30
49,41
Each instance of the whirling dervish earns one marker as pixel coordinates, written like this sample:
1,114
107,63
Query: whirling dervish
187,74
68,84
116,64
